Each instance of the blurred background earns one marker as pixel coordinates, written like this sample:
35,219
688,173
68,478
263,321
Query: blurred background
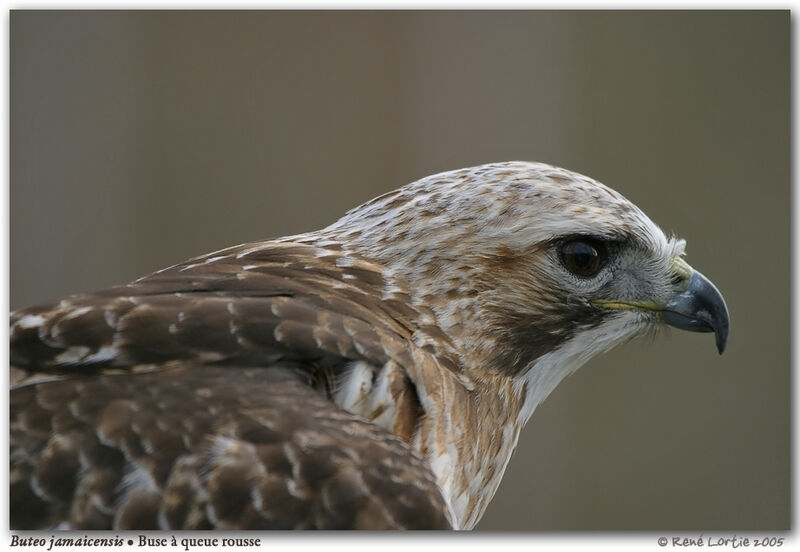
139,139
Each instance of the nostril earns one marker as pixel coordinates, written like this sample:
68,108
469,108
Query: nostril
680,273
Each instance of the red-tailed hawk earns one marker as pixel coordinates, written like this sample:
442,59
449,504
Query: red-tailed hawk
373,374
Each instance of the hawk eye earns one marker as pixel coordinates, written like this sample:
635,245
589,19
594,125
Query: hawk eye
583,257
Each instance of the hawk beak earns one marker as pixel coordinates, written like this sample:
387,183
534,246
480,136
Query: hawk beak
699,308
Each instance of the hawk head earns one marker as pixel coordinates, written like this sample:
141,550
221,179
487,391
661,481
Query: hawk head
530,269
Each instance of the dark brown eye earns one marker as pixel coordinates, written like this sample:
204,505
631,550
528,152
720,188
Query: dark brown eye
583,257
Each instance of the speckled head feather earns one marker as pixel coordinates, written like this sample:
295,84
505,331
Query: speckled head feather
373,374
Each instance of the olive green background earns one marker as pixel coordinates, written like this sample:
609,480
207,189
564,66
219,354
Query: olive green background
141,139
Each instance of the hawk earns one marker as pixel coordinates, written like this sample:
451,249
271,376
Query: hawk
373,374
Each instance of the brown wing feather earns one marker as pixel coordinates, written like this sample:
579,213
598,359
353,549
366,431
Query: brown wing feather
198,447
216,311
196,398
